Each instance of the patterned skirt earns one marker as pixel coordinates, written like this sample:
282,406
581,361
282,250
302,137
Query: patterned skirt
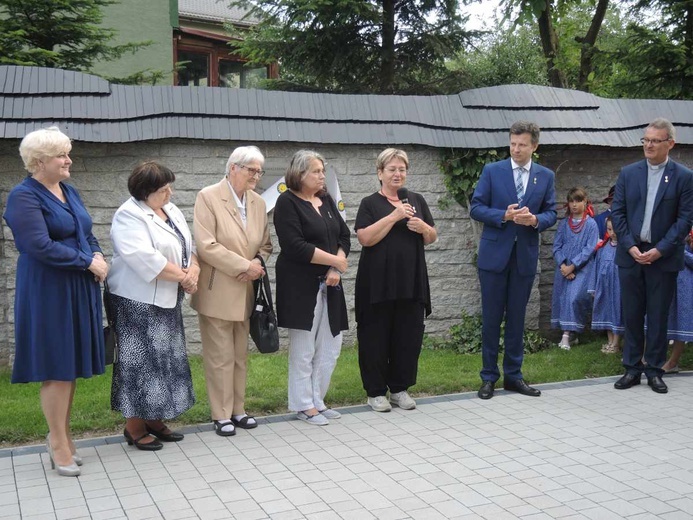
151,379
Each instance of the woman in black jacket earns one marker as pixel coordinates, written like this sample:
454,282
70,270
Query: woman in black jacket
314,243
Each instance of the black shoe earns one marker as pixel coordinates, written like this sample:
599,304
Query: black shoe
150,446
519,386
628,380
171,436
486,390
657,384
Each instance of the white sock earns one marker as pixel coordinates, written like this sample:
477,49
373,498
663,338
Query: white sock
251,420
226,425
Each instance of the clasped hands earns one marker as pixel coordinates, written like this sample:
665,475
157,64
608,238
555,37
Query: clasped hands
408,211
334,273
189,281
99,267
646,258
568,271
253,272
521,216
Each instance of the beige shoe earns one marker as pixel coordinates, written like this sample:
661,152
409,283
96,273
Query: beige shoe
403,400
379,404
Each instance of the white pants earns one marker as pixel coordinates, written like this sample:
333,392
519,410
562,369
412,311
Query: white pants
312,357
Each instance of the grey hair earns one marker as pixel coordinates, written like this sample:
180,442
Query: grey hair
664,124
43,144
391,154
298,167
244,155
526,127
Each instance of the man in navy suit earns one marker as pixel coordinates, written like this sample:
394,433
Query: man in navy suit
651,214
515,200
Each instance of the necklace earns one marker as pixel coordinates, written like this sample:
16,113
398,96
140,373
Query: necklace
576,228
391,199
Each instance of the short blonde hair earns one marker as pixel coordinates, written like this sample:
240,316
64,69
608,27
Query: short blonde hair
390,154
43,144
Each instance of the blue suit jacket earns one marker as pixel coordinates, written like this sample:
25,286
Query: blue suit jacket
672,214
492,196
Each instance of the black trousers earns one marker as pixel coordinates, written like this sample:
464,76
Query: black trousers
646,289
390,336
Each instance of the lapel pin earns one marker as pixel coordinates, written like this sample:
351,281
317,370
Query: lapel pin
666,178
535,180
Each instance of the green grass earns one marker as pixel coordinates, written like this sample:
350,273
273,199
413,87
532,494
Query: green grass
440,372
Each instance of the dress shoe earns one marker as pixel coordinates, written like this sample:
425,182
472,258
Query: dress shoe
486,390
519,386
149,446
71,470
657,384
627,380
171,436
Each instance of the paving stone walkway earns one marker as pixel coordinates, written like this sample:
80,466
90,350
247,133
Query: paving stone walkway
581,451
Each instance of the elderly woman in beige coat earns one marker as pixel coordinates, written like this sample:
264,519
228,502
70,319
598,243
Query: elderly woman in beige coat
231,233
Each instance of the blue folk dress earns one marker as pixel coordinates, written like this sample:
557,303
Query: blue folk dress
571,302
57,307
606,310
681,313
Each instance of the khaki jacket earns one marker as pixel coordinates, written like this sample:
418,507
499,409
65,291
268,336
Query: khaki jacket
225,249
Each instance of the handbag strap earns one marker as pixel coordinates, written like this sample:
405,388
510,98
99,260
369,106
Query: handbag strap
107,303
263,291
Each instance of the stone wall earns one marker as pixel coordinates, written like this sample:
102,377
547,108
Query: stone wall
100,173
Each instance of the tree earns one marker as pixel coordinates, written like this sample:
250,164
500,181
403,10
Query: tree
658,56
356,46
549,13
504,56
57,33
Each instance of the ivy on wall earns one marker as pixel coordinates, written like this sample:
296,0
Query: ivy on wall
461,170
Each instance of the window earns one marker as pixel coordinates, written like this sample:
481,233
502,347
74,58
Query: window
203,60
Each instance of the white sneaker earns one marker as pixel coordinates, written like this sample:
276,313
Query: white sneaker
563,345
379,404
403,400
317,419
330,413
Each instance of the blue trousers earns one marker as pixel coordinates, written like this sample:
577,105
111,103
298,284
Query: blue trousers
503,295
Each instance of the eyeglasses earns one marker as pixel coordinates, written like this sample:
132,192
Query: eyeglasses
254,172
647,141
393,170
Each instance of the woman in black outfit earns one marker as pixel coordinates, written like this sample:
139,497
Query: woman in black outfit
314,243
392,293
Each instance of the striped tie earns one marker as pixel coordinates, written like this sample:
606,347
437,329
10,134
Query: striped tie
518,185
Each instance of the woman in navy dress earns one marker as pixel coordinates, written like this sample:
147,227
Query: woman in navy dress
680,315
573,245
58,327
606,312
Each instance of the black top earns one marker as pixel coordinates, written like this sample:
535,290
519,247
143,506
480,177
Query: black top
395,267
300,230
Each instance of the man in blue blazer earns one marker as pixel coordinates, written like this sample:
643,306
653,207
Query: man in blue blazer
515,200
651,214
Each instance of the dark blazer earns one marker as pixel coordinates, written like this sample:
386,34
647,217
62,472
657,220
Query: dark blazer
300,230
492,196
672,214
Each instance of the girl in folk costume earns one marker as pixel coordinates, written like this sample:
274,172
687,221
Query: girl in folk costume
575,240
680,314
606,312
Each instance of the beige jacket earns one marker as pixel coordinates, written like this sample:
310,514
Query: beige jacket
225,249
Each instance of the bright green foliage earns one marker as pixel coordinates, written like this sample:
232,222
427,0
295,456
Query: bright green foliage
465,337
462,168
510,55
356,46
57,33
656,58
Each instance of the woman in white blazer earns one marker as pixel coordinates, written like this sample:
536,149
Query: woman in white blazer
154,264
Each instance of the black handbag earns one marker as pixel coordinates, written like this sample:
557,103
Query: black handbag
263,320
109,333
